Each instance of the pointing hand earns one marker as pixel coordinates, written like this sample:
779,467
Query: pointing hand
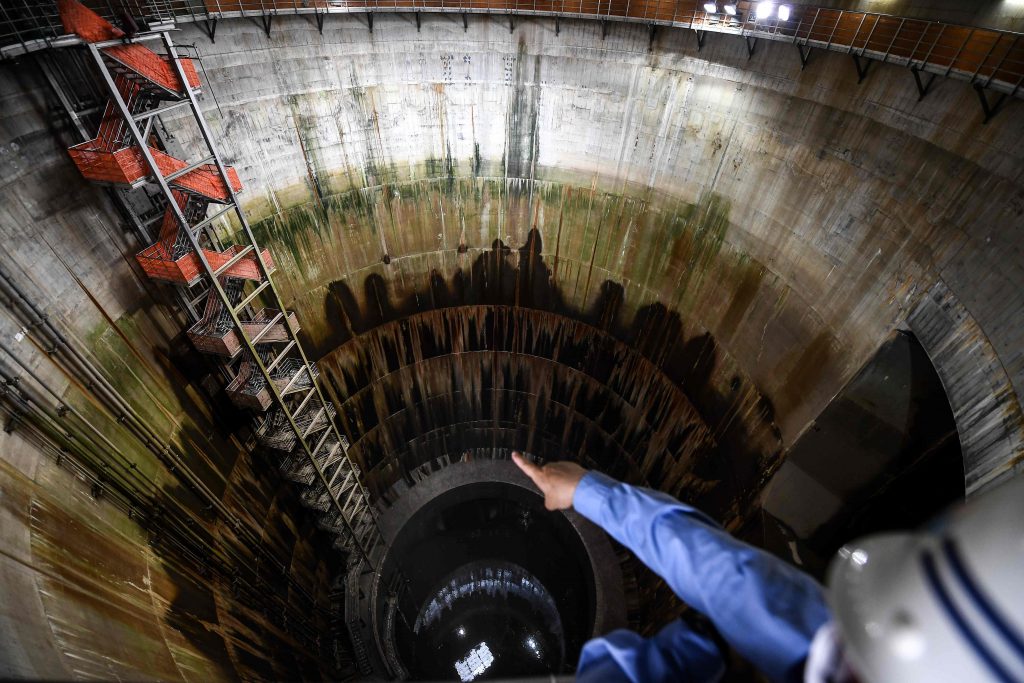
556,480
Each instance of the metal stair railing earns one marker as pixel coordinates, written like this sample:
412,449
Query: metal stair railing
249,389
141,228
357,517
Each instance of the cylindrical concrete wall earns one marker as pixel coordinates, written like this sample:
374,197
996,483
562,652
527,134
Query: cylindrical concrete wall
792,218
490,220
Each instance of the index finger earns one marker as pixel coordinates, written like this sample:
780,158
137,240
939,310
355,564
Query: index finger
528,468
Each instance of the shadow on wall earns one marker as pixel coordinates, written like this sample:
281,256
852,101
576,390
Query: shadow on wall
231,608
235,612
520,278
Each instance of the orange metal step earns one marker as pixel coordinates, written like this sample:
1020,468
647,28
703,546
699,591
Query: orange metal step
204,180
126,166
153,67
86,24
209,335
159,264
93,28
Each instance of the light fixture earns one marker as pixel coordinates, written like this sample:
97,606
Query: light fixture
711,7
764,9
783,12
475,663
730,10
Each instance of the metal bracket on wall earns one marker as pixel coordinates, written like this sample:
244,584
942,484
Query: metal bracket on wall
651,36
922,86
210,30
465,23
805,54
604,29
990,109
701,35
369,21
861,66
267,20
320,16
751,44
558,27
511,23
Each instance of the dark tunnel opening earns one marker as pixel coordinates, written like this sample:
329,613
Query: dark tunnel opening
487,564
883,456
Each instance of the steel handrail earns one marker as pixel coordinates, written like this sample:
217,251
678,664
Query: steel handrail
992,58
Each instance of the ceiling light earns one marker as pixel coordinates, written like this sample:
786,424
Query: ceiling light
764,9
710,7
730,10
784,12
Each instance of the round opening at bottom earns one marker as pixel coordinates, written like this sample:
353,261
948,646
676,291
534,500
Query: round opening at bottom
492,585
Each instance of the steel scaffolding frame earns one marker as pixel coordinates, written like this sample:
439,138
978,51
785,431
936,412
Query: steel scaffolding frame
317,446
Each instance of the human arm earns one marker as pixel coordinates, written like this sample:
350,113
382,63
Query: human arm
677,653
767,610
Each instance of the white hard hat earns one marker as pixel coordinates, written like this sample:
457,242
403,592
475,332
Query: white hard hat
942,604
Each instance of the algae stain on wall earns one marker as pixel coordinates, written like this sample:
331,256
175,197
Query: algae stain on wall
163,391
520,206
696,248
666,249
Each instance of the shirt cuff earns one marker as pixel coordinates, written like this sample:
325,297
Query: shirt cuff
592,494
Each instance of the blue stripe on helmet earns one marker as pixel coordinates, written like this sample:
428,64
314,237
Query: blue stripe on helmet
960,622
980,600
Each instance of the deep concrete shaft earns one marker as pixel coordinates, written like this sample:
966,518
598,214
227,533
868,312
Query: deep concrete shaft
665,264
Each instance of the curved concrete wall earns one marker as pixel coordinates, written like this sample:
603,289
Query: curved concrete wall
778,223
794,216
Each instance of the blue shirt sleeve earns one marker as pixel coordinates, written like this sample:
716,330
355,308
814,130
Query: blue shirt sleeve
767,610
677,654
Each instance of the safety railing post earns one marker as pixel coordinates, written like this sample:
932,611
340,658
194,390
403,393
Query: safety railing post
952,62
810,30
867,41
853,41
985,60
1001,61
892,42
924,62
828,45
